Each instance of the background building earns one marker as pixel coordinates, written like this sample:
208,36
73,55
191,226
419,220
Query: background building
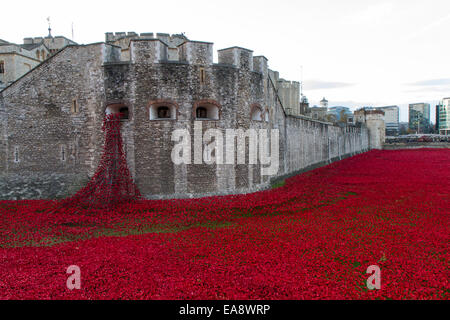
340,114
53,44
304,105
318,113
443,117
391,118
289,92
403,128
324,103
17,59
437,117
419,117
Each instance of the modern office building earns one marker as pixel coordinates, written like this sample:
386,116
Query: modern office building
437,117
403,128
392,119
443,117
419,117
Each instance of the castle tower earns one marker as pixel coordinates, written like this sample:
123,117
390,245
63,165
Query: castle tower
324,103
377,128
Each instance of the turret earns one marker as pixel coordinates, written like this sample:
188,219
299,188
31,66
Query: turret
260,65
196,52
148,51
239,57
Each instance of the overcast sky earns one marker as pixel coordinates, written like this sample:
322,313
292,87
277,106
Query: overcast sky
353,52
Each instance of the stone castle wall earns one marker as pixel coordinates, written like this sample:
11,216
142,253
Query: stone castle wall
38,126
58,148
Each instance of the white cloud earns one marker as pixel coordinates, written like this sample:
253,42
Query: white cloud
318,84
432,82
375,13
429,27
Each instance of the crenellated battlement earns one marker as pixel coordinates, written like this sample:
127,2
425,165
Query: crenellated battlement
152,47
163,47
123,38
46,40
116,36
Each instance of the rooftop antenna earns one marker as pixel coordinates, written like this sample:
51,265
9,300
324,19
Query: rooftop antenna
72,32
301,81
49,28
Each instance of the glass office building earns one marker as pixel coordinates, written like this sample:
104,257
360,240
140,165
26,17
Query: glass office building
444,117
419,117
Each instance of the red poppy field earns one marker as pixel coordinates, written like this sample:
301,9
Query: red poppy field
312,238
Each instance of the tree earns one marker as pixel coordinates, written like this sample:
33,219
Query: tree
343,117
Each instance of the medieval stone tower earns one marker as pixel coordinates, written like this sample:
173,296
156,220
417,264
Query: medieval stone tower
51,137
374,121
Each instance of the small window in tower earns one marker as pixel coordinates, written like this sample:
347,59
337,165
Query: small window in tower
162,110
2,67
164,113
208,110
202,113
16,155
63,153
74,107
202,75
124,113
38,55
